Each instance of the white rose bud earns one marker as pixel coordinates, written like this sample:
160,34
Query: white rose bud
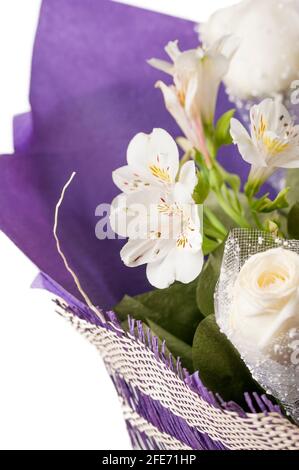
267,61
265,302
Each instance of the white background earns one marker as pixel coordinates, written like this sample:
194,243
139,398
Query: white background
54,390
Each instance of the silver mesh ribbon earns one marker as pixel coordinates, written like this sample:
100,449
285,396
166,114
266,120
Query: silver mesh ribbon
277,368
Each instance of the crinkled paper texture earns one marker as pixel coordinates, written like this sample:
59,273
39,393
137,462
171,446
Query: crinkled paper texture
91,91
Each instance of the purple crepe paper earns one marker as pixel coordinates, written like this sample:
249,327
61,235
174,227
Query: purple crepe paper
91,91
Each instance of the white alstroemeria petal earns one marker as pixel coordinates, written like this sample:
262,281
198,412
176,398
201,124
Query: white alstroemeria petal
194,235
261,173
274,135
287,160
127,220
213,68
268,115
172,49
161,65
188,265
242,139
137,252
161,274
155,154
226,45
186,67
188,176
179,265
134,215
119,215
129,181
192,106
295,133
277,115
176,109
184,144
182,194
277,149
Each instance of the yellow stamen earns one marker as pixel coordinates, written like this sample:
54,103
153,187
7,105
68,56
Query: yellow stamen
262,127
274,146
165,208
182,97
160,173
182,241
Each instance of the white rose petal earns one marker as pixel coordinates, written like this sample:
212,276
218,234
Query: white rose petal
267,60
266,298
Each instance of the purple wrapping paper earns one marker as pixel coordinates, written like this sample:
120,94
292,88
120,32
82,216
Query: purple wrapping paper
91,91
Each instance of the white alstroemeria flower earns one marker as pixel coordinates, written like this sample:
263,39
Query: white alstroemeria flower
156,212
267,60
191,100
153,160
273,143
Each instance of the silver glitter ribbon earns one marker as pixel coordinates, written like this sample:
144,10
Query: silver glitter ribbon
277,369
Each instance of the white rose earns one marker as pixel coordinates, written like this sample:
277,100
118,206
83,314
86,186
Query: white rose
266,298
267,60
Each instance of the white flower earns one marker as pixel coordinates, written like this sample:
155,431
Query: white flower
156,211
267,60
266,298
191,100
273,143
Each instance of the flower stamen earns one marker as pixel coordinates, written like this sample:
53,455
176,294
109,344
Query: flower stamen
161,174
274,146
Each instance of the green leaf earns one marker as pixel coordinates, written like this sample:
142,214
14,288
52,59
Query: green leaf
177,347
133,307
207,282
232,179
174,309
214,231
213,204
216,178
219,364
201,163
292,181
211,222
266,205
251,188
222,129
293,221
201,190
209,245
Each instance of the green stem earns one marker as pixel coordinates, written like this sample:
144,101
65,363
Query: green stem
257,220
239,219
254,214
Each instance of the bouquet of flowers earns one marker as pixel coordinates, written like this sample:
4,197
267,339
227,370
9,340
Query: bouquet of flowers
202,345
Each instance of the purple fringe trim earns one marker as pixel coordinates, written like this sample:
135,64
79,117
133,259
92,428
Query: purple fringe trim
163,419
255,403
